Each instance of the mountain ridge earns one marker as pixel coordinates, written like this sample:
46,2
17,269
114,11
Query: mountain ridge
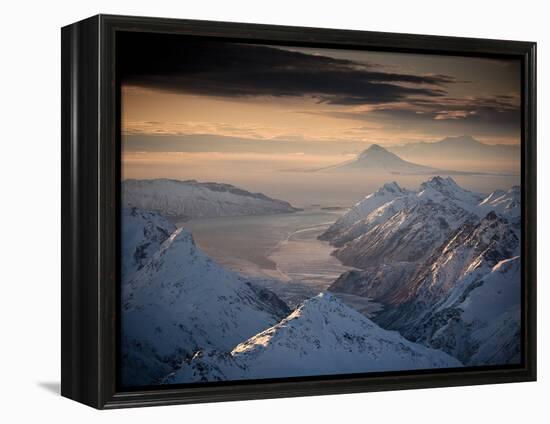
411,284
190,199
321,337
180,301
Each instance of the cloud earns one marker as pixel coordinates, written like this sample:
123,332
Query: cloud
483,115
490,112
196,66
134,127
383,99
453,114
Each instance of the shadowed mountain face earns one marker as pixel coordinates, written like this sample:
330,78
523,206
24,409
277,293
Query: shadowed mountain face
376,158
181,301
443,262
143,233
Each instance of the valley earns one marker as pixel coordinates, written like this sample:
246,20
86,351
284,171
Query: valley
281,252
220,282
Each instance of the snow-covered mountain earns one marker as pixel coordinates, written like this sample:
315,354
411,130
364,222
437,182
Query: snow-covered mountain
425,308
376,158
390,241
506,203
480,320
142,234
469,252
322,337
181,301
387,193
439,189
425,257
391,199
443,262
404,226
191,199
413,227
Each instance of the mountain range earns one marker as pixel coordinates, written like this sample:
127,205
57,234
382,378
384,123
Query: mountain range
181,301
321,337
463,147
425,308
184,200
442,261
185,318
405,226
426,261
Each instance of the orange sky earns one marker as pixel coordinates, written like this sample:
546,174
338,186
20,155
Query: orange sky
302,107
173,110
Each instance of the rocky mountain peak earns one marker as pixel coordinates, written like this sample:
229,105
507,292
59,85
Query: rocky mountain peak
439,183
392,187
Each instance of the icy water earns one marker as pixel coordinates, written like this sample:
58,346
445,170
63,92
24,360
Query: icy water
302,257
281,251
281,246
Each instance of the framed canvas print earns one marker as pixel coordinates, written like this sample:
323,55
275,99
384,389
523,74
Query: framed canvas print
256,211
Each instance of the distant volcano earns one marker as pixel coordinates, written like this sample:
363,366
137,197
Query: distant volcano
377,158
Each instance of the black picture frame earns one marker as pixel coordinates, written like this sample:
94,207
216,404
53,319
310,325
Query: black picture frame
90,175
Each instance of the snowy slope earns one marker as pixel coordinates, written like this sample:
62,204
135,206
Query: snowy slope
439,189
385,194
181,301
429,255
425,308
376,207
473,250
339,237
191,199
468,254
142,234
407,226
323,336
409,235
506,203
480,321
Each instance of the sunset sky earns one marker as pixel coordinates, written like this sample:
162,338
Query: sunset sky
183,99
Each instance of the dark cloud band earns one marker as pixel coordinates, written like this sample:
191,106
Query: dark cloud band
196,66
